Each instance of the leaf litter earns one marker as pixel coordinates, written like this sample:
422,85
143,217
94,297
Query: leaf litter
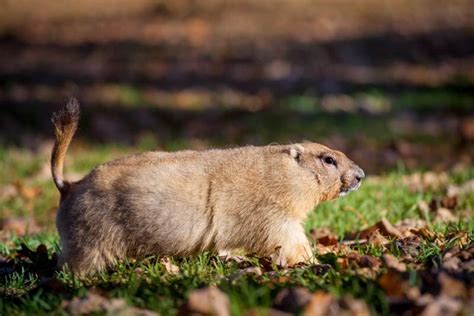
413,281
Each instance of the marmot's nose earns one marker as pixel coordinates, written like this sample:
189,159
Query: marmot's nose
359,174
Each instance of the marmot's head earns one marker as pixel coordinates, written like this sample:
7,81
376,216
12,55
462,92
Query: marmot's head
335,174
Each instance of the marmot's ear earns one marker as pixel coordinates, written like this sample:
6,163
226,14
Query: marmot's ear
296,151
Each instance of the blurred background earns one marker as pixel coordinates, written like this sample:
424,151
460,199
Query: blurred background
388,82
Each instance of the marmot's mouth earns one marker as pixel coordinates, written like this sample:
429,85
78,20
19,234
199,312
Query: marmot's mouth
347,190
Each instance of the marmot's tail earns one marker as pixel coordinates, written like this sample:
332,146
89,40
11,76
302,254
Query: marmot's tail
65,124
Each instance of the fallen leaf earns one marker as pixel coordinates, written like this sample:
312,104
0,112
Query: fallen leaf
424,232
28,193
421,182
406,226
355,306
319,304
443,215
442,306
394,284
255,271
324,236
324,304
377,239
169,266
363,261
451,287
86,305
449,202
292,300
392,262
262,311
8,191
383,227
95,303
20,225
463,189
207,301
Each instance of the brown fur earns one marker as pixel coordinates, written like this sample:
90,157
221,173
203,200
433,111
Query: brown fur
186,202
65,125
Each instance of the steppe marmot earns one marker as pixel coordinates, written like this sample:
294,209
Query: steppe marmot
182,203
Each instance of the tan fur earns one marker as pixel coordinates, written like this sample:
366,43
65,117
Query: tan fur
186,202
65,124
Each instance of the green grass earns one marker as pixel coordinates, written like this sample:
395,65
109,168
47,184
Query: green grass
156,289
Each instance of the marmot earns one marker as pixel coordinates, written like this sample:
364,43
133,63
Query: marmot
182,203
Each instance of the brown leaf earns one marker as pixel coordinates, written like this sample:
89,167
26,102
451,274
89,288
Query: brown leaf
377,239
20,225
356,307
383,227
256,271
393,263
325,304
449,202
95,303
364,261
464,189
8,191
443,215
388,230
260,311
207,301
406,225
28,193
409,246
319,304
324,236
424,232
442,306
467,128
86,305
420,182
169,266
394,284
292,300
451,287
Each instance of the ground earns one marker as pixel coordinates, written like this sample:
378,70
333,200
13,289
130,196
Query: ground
390,85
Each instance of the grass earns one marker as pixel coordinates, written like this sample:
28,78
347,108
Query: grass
156,289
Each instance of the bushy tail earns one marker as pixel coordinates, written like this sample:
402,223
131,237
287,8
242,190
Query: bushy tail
65,124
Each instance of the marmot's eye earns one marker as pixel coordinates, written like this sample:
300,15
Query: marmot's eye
329,160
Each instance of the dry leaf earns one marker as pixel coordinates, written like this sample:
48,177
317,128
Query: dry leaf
169,266
262,311
207,301
464,189
28,193
20,225
443,306
443,215
95,303
8,191
292,300
393,263
377,239
256,271
420,182
356,307
319,304
451,287
394,284
324,236
449,202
